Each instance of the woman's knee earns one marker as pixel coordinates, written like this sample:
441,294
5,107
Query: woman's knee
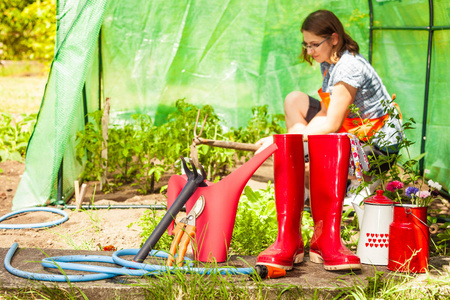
296,101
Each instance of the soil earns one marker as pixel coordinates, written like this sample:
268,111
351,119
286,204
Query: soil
88,229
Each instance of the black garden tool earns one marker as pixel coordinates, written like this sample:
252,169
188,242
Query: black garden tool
194,181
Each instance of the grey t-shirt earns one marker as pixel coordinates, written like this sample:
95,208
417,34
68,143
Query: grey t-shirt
371,97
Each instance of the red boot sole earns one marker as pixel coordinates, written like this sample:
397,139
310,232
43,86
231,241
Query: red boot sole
318,259
298,259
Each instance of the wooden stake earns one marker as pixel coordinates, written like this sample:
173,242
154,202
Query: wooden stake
77,191
105,125
80,198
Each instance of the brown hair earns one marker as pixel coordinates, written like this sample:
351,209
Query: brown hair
324,23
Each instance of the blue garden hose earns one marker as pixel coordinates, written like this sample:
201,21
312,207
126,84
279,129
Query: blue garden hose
138,269
186,269
49,277
35,225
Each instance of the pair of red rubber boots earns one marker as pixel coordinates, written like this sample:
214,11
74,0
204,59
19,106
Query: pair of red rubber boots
329,162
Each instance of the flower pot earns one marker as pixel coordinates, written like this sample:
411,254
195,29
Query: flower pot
409,240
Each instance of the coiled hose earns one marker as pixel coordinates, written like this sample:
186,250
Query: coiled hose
35,225
101,272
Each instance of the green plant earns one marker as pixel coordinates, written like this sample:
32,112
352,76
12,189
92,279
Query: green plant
44,291
261,124
122,146
442,243
179,285
402,171
307,228
93,214
140,152
394,286
148,222
350,229
175,138
256,222
255,227
14,135
150,158
88,150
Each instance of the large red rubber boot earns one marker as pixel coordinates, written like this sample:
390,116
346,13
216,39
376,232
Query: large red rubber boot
329,161
289,172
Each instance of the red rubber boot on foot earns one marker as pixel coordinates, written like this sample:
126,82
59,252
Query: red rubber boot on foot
328,164
289,172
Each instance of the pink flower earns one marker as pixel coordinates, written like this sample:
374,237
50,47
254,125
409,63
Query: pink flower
423,194
394,185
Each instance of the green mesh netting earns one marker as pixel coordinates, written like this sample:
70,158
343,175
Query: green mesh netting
400,57
230,54
61,114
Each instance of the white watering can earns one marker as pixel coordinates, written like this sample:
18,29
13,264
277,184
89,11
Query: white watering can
374,221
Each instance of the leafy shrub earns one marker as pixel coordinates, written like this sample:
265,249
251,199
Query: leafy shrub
140,152
261,124
88,150
175,138
256,222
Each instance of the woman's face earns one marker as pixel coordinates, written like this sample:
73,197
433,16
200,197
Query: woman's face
320,48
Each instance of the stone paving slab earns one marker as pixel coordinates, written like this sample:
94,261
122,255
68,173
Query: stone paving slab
309,276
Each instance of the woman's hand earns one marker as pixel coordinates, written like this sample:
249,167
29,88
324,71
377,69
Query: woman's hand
264,143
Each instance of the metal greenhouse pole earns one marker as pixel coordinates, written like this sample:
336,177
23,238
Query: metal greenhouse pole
431,28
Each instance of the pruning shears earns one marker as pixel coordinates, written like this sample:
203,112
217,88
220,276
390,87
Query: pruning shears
185,232
194,181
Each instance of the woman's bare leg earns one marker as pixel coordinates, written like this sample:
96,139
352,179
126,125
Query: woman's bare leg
296,107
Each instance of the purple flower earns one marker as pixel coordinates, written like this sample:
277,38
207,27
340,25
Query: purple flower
411,190
394,185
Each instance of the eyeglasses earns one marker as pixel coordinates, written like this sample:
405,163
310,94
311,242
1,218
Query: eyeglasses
313,46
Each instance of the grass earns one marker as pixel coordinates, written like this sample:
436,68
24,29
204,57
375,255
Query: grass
178,285
22,86
23,68
21,94
399,286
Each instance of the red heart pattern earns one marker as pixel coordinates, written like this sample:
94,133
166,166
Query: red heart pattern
382,242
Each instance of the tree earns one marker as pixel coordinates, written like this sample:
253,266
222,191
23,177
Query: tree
27,29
